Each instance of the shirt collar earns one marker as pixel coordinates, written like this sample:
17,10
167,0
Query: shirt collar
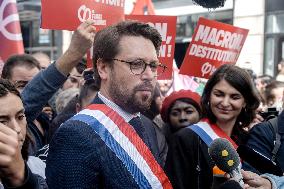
125,115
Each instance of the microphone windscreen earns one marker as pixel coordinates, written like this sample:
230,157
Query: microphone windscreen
224,155
210,3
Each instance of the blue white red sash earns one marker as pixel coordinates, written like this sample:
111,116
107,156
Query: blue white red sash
208,132
123,140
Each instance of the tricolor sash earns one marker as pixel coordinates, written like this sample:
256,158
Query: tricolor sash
208,132
123,140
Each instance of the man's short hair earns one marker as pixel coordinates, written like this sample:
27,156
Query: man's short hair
24,60
107,40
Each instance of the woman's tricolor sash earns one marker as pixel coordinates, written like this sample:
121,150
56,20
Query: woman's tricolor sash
123,140
208,132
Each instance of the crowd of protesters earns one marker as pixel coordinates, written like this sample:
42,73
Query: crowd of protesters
66,126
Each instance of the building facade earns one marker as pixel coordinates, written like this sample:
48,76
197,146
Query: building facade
263,49
273,35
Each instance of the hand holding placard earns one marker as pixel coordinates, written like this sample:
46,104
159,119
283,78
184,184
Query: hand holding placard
207,68
82,38
81,42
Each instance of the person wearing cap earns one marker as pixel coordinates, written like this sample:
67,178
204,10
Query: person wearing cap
181,109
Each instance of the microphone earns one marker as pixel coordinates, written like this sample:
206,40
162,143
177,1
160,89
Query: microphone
210,4
226,158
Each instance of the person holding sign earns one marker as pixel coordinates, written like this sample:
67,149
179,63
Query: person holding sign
228,103
108,144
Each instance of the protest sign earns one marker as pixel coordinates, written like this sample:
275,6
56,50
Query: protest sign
11,41
213,44
166,25
68,14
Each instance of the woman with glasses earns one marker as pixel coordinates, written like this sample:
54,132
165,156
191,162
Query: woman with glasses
228,103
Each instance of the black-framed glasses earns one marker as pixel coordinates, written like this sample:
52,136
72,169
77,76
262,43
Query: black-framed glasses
138,66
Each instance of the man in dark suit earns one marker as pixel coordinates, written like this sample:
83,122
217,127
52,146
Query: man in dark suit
109,144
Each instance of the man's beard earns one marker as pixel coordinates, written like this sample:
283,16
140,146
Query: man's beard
128,100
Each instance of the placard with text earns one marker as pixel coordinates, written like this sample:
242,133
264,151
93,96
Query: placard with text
166,25
68,14
213,44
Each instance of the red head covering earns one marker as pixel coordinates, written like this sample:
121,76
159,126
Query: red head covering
173,97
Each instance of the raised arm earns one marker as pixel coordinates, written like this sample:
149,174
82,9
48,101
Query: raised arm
42,87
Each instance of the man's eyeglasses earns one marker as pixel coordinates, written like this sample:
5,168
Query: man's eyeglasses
138,66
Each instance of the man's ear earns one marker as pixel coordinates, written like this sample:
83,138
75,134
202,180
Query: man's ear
102,68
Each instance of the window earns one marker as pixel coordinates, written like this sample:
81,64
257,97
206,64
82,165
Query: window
274,23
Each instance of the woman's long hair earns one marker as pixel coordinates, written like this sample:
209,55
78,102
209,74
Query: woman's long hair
241,81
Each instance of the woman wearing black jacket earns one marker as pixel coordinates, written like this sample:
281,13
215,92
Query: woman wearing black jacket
228,102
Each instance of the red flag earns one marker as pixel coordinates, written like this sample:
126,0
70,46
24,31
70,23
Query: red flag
10,31
143,7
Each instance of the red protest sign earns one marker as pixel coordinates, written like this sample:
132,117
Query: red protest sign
67,15
10,31
213,44
166,25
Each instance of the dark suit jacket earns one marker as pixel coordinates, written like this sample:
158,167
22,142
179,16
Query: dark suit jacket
188,163
78,158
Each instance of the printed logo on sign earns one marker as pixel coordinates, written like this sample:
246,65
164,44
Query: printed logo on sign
207,68
6,20
85,13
